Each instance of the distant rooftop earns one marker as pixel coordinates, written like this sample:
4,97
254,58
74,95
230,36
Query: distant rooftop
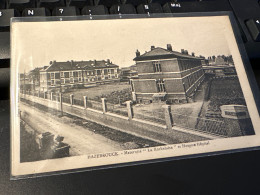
160,53
79,65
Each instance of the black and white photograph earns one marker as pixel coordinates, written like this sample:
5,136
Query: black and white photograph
92,93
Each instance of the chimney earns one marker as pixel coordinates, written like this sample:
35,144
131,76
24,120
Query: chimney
152,47
108,61
169,47
50,62
193,54
182,51
186,52
137,53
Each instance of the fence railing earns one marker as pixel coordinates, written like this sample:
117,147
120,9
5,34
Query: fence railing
78,102
152,117
94,105
117,109
216,127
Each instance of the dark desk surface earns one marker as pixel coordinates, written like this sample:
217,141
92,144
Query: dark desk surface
236,173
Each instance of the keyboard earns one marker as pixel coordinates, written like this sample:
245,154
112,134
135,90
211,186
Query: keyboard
247,14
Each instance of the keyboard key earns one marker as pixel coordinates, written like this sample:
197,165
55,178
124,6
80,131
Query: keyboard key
65,11
253,26
134,2
80,3
2,4
201,6
94,10
21,4
162,2
122,9
5,16
149,8
187,0
107,3
29,12
51,3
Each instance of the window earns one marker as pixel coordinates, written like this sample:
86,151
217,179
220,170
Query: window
161,86
61,74
57,75
80,79
75,74
52,82
52,75
71,80
66,74
157,66
98,72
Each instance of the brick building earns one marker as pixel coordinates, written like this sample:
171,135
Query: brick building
164,74
128,73
68,74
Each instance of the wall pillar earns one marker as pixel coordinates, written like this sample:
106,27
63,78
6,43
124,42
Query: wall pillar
51,96
130,110
134,96
168,116
85,101
71,99
44,94
38,93
61,99
104,104
237,120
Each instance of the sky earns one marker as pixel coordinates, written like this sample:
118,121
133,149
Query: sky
35,44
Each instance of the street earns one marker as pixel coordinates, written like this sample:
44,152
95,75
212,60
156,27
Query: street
81,140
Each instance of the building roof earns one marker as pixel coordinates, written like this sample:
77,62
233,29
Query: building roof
161,53
79,65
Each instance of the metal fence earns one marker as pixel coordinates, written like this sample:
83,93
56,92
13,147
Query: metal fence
117,109
66,100
151,116
42,94
78,102
94,105
212,126
217,127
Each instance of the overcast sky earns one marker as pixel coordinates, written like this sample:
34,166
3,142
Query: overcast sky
37,43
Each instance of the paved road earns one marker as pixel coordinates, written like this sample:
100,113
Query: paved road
81,140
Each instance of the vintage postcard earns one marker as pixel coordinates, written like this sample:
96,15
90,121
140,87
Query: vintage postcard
95,93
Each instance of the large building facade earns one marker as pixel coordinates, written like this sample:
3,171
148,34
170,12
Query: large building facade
62,75
164,74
